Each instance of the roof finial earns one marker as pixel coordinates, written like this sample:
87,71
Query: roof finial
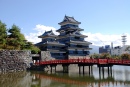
65,16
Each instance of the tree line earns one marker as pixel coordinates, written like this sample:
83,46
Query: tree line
107,55
13,39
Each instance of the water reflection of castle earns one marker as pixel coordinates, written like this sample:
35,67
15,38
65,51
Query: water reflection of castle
69,43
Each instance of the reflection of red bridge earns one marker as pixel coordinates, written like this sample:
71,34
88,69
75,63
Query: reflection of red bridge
86,61
91,81
60,79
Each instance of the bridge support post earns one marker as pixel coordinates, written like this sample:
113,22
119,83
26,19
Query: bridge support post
111,70
83,69
55,68
99,71
103,72
89,69
79,69
108,70
65,68
52,67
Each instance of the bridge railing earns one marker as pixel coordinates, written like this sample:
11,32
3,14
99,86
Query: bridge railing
102,61
114,61
118,61
92,61
67,61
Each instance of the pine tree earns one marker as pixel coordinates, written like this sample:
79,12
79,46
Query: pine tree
3,35
15,38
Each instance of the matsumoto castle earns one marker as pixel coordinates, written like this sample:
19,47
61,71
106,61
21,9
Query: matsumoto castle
69,43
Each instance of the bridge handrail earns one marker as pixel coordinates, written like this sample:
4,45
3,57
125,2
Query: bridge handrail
94,61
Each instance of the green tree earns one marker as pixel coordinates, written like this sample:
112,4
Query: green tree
95,56
35,50
127,48
116,56
125,56
105,55
32,47
3,35
15,39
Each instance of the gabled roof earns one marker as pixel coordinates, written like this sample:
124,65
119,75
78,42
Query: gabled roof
54,43
69,20
79,42
48,33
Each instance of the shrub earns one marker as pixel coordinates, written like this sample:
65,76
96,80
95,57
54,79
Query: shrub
95,55
105,55
125,56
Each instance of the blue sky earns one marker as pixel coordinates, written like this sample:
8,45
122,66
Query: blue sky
103,20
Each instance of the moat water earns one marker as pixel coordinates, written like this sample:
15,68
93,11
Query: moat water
120,78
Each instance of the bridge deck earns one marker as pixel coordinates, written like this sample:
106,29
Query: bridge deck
86,61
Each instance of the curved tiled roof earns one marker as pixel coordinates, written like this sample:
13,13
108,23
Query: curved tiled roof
48,33
69,19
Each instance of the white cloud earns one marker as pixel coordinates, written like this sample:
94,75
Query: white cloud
97,39
40,29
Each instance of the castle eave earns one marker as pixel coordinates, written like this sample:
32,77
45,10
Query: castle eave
62,23
80,42
69,29
56,51
55,43
51,44
73,48
47,36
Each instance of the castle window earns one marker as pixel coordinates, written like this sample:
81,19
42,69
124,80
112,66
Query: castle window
53,46
70,51
62,31
79,45
77,37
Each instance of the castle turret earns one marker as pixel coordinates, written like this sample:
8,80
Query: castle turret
49,43
70,36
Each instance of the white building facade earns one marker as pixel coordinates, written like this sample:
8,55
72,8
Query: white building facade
118,50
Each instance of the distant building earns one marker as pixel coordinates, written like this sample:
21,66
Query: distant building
69,43
118,50
105,49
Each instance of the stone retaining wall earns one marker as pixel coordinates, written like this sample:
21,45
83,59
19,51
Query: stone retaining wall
45,55
12,60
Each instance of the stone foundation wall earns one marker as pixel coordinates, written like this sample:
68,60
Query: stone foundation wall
12,60
45,55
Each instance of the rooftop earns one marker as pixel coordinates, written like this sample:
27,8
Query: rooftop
48,33
69,20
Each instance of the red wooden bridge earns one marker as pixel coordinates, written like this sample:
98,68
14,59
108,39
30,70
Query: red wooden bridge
101,63
86,61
